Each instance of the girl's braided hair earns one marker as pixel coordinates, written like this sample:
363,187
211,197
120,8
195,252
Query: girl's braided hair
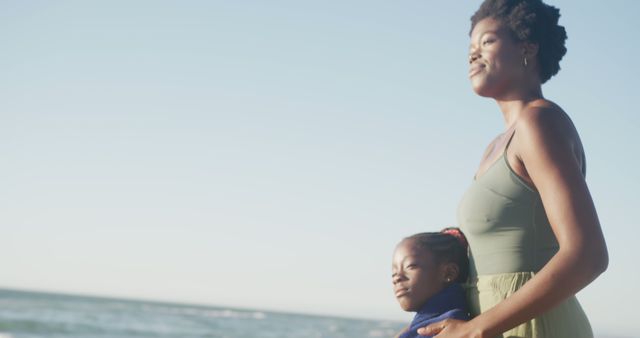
447,246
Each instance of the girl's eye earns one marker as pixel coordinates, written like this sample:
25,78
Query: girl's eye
488,41
412,266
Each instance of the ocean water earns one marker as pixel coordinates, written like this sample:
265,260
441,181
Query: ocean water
39,315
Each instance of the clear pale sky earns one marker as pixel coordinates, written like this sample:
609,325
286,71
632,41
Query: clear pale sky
270,154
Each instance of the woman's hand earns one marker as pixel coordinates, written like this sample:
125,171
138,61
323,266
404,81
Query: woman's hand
450,328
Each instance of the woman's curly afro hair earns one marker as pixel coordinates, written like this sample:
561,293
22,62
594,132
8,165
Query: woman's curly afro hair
530,21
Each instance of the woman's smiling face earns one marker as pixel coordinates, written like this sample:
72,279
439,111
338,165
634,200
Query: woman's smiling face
495,59
416,276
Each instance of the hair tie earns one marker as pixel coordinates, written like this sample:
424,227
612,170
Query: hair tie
455,232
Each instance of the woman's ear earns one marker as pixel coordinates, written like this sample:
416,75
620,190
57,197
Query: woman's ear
529,50
450,272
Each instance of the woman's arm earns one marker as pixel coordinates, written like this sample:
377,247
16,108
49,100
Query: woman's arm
547,152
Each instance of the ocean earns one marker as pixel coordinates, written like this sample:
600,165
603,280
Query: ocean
39,315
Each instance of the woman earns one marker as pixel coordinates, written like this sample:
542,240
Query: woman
532,228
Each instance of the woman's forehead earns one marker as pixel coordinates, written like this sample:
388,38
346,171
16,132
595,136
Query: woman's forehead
484,26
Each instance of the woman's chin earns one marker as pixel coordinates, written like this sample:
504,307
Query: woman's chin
481,88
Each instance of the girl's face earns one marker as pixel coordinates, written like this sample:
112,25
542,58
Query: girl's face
496,59
416,276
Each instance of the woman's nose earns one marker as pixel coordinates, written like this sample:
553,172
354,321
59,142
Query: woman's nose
473,57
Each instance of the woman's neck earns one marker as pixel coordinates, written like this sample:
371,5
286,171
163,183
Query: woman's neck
514,103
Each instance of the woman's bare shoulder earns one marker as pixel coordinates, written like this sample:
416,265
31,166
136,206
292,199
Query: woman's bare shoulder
545,128
549,121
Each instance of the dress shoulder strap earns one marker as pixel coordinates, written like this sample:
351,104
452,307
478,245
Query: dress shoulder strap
509,142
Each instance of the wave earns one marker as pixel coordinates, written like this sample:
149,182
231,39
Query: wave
33,326
208,313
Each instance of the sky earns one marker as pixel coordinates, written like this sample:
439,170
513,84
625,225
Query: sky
269,155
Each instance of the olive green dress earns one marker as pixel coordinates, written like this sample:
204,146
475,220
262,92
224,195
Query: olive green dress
510,239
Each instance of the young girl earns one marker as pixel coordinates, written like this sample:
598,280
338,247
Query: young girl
427,271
